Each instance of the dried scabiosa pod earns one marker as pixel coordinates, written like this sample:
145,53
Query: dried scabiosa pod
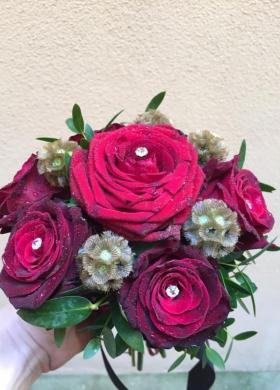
52,161
152,117
212,227
208,145
104,261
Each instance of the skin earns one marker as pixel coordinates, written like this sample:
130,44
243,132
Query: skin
27,351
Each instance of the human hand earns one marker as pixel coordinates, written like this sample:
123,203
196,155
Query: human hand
27,351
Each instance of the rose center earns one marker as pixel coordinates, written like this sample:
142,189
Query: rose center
141,151
37,243
172,291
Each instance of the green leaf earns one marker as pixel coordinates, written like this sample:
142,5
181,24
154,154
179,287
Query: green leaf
67,159
91,348
78,120
254,257
131,336
70,124
47,139
84,143
58,312
88,132
72,203
121,346
156,101
228,322
214,357
266,187
242,154
246,282
242,304
245,335
111,121
139,247
109,342
193,351
231,257
229,350
273,248
221,337
73,291
177,362
99,323
237,287
59,336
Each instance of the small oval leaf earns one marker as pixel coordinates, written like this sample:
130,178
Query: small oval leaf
59,336
156,101
214,358
177,362
78,118
91,348
242,154
245,335
109,342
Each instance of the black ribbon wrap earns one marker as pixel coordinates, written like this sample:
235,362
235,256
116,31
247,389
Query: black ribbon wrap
200,377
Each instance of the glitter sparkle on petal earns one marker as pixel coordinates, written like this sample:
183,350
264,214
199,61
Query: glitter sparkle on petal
172,291
141,151
37,243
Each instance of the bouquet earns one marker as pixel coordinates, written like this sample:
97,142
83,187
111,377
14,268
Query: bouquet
143,231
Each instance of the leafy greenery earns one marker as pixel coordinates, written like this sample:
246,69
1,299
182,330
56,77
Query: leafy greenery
121,346
67,160
88,133
78,120
221,337
46,139
59,336
91,348
242,154
177,362
245,335
59,312
214,357
112,120
109,341
156,101
132,337
266,187
70,124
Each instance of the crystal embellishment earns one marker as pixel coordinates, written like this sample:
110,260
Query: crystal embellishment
172,291
37,243
141,151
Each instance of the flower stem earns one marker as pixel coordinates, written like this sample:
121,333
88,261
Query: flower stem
95,306
140,358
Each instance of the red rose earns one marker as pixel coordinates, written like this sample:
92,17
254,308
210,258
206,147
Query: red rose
175,297
39,256
27,187
139,181
240,190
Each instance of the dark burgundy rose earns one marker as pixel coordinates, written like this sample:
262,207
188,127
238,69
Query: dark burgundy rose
139,181
39,256
27,187
240,190
175,297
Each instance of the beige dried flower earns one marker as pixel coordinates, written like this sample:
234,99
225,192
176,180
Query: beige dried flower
51,161
208,145
104,261
213,227
152,117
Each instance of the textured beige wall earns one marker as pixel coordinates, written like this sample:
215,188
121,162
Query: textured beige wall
218,60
